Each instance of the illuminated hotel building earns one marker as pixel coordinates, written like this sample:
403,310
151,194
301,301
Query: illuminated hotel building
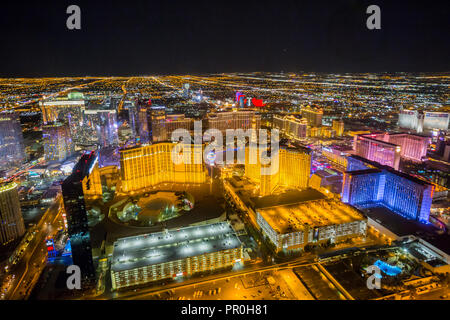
146,166
413,147
174,253
291,126
178,121
387,149
65,111
58,144
312,115
367,184
426,120
322,131
337,155
101,125
436,120
410,119
82,184
11,221
143,129
292,226
293,170
338,127
12,151
158,128
59,110
164,125
240,119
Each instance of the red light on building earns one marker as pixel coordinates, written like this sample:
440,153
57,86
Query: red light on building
257,102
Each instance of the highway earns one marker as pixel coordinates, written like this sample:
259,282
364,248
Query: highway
30,265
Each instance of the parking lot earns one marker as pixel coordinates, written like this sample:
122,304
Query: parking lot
271,285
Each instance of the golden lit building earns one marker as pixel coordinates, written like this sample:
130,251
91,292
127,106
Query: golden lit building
92,183
57,109
337,155
314,132
145,166
356,133
292,226
293,170
327,132
338,127
237,119
11,226
312,115
163,125
291,126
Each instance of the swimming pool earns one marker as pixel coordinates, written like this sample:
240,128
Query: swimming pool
387,268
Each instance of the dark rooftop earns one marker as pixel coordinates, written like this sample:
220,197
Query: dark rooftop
288,197
387,168
403,227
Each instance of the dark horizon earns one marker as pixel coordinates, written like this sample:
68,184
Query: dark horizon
178,37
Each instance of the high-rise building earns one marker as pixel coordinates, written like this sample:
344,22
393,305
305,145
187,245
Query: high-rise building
423,120
385,153
132,118
436,120
158,125
293,170
387,149
146,166
11,220
413,147
240,99
58,143
325,132
408,119
101,126
312,115
143,124
337,155
12,151
163,125
338,127
65,111
368,184
177,121
55,110
83,183
291,126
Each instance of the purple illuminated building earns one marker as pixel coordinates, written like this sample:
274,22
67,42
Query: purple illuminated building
368,184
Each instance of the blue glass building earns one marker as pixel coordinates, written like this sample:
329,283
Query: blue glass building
381,185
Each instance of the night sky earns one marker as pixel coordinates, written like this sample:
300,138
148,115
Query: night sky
179,37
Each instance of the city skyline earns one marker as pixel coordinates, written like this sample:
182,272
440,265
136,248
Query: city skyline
361,170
